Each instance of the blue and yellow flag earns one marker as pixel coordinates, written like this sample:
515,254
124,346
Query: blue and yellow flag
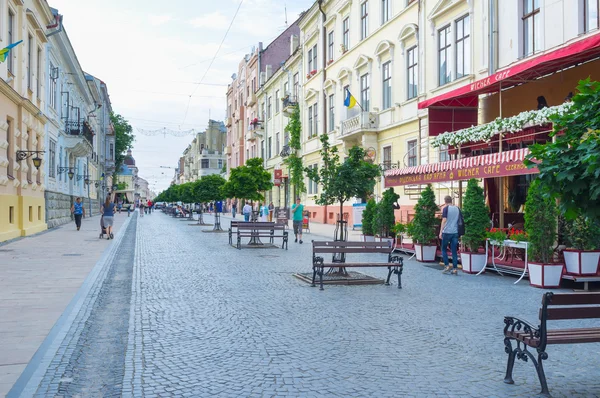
349,101
4,52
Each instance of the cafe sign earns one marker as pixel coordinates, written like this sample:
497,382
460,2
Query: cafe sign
466,173
277,176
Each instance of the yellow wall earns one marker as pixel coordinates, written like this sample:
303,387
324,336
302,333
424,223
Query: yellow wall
9,230
32,215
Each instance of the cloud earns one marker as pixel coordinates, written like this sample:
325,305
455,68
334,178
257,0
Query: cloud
215,20
157,20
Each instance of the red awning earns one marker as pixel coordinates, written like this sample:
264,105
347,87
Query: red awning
485,166
529,69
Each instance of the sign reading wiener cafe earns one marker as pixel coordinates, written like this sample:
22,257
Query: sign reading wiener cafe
486,171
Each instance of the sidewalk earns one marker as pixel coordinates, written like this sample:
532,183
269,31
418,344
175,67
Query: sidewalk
39,276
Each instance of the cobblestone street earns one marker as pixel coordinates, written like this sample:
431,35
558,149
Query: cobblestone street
209,320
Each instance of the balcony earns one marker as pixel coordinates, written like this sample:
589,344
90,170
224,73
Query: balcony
79,138
228,150
228,122
354,127
251,99
285,151
289,104
109,165
255,130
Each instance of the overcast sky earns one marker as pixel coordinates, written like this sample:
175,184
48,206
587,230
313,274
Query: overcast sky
152,54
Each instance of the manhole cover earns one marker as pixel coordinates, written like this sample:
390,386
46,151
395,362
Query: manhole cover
6,250
72,255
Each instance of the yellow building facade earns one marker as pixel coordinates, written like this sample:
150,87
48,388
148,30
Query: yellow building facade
22,206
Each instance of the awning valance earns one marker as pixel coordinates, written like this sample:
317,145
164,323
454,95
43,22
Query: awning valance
529,69
485,166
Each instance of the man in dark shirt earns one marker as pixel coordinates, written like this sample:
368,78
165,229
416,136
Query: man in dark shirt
449,234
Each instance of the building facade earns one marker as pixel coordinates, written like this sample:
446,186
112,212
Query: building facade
205,155
22,127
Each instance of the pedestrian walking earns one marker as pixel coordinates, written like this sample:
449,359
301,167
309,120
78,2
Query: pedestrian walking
108,212
297,213
149,204
271,211
128,209
119,206
247,210
141,206
233,208
78,212
264,212
449,235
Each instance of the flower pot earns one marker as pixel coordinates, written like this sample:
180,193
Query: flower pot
472,263
545,275
579,262
389,240
425,253
369,238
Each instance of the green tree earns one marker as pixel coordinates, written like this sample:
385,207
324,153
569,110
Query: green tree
541,217
570,166
294,161
368,226
248,181
124,138
422,228
384,214
186,192
209,188
476,216
341,181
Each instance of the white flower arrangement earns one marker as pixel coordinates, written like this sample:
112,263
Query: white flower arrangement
510,125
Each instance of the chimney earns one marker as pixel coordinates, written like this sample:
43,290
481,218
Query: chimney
294,43
268,72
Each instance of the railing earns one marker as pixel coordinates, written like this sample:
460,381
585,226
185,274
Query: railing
362,121
81,129
388,165
285,151
289,101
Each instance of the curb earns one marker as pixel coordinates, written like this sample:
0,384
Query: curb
28,383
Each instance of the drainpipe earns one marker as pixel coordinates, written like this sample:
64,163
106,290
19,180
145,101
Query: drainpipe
324,64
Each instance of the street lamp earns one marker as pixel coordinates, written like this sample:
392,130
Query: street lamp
71,174
37,161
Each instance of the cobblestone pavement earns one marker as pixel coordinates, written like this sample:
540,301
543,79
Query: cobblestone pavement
209,320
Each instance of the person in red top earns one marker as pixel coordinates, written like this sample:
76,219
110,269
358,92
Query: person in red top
149,205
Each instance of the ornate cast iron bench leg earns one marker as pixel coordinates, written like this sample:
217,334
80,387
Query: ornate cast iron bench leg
512,354
397,269
230,237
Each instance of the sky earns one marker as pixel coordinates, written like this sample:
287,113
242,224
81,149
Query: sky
153,54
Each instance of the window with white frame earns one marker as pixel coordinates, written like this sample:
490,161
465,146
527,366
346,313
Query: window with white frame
385,11
346,34
331,112
277,142
411,149
387,157
330,46
412,72
463,47
270,147
315,120
365,94
444,155
387,85
11,39
30,62
52,88
296,85
52,159
591,15
310,122
444,43
313,187
532,32
205,163
286,89
269,107
60,163
312,58
38,74
364,20
277,101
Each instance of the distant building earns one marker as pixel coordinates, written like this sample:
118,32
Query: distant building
127,174
205,155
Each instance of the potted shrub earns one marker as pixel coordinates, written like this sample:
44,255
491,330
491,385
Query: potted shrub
384,215
476,216
398,230
422,228
582,237
540,223
368,228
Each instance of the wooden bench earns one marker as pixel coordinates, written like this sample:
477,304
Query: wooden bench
234,225
555,306
257,230
394,263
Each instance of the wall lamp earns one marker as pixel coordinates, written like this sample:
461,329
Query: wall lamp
68,170
37,161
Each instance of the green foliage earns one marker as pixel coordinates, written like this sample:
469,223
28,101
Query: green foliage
582,234
422,228
368,227
540,223
121,186
124,138
209,188
384,215
186,193
293,161
399,228
476,216
570,167
248,181
341,181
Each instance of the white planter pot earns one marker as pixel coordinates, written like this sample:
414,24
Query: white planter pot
425,254
472,263
580,262
545,275
369,238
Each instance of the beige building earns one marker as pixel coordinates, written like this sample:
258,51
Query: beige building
206,153
22,209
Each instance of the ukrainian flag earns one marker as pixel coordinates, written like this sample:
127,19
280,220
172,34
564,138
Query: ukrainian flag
4,52
349,101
